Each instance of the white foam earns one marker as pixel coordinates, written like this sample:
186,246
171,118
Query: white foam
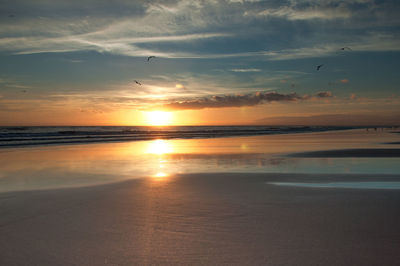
356,185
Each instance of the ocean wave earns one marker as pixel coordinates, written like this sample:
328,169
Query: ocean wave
25,136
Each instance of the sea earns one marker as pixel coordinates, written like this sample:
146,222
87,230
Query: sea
54,135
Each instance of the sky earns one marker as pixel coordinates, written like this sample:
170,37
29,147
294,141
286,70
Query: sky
228,62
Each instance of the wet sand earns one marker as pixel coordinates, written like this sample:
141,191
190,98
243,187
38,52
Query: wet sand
203,219
162,202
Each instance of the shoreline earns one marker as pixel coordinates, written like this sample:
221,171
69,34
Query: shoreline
269,177
96,139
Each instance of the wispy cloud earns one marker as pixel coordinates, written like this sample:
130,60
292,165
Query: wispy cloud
122,45
128,47
372,42
130,27
314,12
244,70
12,83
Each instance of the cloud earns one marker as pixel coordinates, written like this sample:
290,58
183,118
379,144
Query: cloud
74,60
314,12
98,42
134,28
245,70
244,1
323,94
12,83
214,83
239,100
371,42
130,46
303,52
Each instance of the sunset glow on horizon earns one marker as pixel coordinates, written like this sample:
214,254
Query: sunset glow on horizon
287,63
159,118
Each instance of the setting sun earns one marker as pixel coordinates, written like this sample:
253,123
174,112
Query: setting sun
158,118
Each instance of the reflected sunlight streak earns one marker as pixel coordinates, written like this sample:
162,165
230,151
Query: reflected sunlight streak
160,174
159,147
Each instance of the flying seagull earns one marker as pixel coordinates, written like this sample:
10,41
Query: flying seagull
137,82
345,48
319,66
150,57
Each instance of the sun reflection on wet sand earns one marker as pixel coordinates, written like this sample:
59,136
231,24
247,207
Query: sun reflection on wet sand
160,176
159,147
83,165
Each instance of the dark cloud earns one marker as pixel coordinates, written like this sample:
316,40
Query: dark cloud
324,94
240,100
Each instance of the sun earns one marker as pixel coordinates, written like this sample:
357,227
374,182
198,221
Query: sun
158,118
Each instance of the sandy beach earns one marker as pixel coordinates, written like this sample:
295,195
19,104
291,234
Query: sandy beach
203,219
172,216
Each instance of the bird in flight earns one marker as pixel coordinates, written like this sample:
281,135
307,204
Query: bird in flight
137,82
345,48
319,66
150,57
